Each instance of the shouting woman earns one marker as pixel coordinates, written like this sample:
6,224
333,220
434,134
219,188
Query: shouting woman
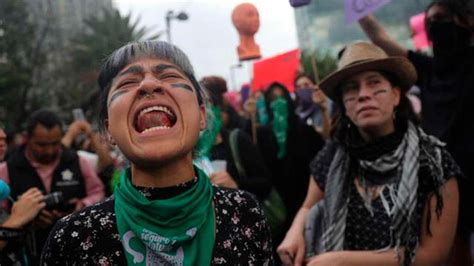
164,211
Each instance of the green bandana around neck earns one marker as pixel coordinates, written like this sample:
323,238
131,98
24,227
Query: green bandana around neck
280,124
208,136
175,231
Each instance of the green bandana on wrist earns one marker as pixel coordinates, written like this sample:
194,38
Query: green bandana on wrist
280,124
175,231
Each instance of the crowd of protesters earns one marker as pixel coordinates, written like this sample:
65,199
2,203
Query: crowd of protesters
350,171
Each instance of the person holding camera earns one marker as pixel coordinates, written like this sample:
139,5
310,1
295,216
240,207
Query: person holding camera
45,164
13,227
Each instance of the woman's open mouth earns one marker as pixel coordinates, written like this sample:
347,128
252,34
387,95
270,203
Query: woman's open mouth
156,117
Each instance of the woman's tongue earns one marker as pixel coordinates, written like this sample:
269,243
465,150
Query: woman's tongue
153,119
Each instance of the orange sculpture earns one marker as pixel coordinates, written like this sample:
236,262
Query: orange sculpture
246,20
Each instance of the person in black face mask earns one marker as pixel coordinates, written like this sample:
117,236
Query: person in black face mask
450,33
446,80
313,107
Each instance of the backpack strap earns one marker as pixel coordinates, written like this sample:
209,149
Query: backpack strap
234,147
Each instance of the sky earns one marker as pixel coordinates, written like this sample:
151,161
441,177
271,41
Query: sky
209,38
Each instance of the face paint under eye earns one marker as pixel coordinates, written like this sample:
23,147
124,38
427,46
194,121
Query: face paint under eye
349,88
349,99
182,85
115,95
378,91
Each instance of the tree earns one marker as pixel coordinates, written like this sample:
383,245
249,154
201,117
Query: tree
321,24
20,57
102,36
325,63
40,66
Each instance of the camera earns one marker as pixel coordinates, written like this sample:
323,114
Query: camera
54,199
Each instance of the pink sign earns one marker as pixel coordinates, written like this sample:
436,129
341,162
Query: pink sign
420,38
357,9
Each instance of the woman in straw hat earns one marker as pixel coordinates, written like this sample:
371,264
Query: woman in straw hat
386,192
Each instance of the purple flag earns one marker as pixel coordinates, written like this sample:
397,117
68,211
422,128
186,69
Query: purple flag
298,3
356,9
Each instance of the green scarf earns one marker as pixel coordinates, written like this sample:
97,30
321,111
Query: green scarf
280,124
177,231
261,111
208,136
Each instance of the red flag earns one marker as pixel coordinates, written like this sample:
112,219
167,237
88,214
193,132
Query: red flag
282,68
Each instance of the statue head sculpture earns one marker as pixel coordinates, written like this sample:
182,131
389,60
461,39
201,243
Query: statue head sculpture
246,20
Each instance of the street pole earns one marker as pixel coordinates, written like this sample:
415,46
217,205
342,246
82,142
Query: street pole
232,76
169,15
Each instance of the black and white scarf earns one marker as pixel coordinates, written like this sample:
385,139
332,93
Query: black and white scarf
402,162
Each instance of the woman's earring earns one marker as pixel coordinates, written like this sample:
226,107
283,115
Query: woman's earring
111,141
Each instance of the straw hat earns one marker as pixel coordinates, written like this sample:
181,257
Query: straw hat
363,56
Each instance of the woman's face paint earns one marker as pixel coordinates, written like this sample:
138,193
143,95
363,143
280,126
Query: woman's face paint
139,97
132,76
370,100
182,85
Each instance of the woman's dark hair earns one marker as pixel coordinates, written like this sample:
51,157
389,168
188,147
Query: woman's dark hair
304,75
403,112
43,117
457,8
292,118
216,87
123,56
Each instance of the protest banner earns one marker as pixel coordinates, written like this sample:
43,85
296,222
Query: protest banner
298,3
357,9
281,68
